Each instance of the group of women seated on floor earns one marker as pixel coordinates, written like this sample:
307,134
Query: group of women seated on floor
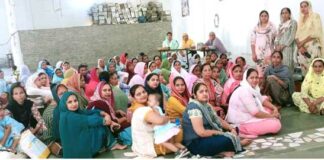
156,107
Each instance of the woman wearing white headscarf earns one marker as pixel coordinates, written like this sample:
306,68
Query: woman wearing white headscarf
250,111
24,74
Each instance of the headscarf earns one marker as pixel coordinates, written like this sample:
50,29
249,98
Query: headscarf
222,76
183,73
130,72
283,73
166,64
59,64
254,91
230,85
99,67
192,78
32,89
48,70
82,132
56,78
56,113
213,120
138,78
182,98
24,74
157,90
139,69
74,83
312,77
21,113
110,103
311,27
123,58
67,75
91,86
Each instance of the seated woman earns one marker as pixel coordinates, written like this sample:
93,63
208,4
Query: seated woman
143,120
58,76
236,75
242,62
163,82
43,67
179,99
194,75
24,111
311,97
140,71
207,79
177,70
223,76
250,111
204,132
139,96
103,99
226,63
130,70
10,131
38,85
218,87
120,97
279,83
57,92
91,86
48,115
152,85
77,84
83,133
67,75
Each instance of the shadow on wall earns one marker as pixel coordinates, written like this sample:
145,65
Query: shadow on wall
87,44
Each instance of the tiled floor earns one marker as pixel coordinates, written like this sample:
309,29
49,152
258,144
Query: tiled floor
292,121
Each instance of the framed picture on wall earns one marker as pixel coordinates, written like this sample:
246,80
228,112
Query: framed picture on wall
185,8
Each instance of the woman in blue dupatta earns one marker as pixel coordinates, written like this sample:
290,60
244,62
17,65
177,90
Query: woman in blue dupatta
58,76
82,133
279,82
42,66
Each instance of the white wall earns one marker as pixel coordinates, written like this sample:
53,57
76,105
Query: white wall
237,19
46,14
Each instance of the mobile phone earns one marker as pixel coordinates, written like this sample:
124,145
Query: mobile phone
306,54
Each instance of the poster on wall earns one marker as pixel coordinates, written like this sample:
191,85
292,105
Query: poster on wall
185,8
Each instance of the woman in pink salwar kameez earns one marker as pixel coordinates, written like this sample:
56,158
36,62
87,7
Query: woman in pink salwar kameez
251,112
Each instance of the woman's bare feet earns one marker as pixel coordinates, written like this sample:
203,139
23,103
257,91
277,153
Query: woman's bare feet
227,154
246,142
118,147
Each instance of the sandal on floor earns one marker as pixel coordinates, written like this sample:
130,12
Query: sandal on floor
322,112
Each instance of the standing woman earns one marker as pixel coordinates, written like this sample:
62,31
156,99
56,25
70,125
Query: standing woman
311,97
309,36
262,42
278,80
130,70
285,40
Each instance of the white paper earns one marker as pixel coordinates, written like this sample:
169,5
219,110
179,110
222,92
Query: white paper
294,144
295,135
260,141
